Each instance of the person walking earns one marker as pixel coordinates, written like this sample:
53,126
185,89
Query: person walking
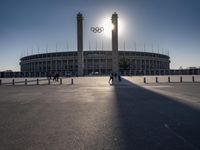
111,79
115,75
57,77
54,77
119,78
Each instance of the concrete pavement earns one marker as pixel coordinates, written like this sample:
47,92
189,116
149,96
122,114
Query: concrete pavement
91,114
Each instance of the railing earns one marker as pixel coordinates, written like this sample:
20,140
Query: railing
35,82
171,79
70,81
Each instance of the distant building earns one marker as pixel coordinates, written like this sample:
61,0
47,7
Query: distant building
130,63
102,61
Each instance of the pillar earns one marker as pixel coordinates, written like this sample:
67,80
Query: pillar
115,57
80,44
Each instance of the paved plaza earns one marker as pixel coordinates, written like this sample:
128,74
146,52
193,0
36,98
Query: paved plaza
93,115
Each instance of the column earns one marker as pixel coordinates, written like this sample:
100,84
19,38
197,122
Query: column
115,57
80,58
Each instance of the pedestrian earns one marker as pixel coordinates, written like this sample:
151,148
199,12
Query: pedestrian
49,75
115,75
57,76
111,78
54,77
119,78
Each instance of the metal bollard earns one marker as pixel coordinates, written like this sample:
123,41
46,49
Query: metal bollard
37,81
25,81
193,79
0,82
72,81
13,82
169,79
144,80
49,81
181,79
60,80
156,79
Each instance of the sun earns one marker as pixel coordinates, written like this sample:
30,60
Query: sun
108,27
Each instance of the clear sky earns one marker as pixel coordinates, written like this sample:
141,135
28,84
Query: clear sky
32,26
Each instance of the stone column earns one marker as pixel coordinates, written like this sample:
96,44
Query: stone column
80,59
115,57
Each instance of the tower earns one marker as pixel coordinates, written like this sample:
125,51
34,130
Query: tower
80,43
115,57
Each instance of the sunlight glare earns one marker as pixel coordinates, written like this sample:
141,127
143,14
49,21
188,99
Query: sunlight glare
108,27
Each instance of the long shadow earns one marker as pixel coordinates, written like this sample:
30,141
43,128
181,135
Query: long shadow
151,121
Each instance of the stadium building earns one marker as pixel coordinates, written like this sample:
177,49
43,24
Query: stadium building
96,62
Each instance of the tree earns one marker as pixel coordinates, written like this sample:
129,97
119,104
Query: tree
124,64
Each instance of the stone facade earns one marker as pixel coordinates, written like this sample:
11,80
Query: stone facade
80,43
95,62
115,60
136,63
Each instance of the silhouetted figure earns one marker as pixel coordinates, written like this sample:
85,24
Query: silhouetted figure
111,78
57,76
54,77
115,75
49,76
119,78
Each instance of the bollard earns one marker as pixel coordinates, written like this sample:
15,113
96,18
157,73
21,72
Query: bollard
181,79
144,80
37,81
0,82
72,81
169,79
25,81
49,81
193,79
156,79
60,80
13,82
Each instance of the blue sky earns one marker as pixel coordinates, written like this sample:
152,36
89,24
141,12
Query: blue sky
32,26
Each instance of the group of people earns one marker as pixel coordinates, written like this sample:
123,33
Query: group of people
55,76
114,77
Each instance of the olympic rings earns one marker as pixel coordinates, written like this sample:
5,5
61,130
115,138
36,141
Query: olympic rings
97,29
